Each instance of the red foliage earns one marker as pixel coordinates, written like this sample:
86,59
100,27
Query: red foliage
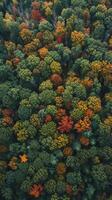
14,9
39,35
59,39
65,125
69,189
48,119
36,190
36,15
7,112
69,104
16,61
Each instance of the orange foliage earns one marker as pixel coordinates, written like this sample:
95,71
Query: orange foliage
83,125
60,29
13,163
77,37
7,121
43,52
87,82
68,151
35,4
23,26
36,190
89,113
61,168
60,89
56,79
60,113
23,158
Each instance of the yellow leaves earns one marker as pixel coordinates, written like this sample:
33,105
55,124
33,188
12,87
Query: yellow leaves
82,105
55,67
107,71
61,141
77,37
102,7
48,4
108,121
15,1
46,85
10,46
108,97
96,66
22,135
48,11
31,47
94,103
3,164
48,7
17,126
26,34
8,19
104,68
35,120
59,101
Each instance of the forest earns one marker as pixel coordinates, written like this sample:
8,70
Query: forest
56,99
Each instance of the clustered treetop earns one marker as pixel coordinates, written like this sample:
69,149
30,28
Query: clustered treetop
55,99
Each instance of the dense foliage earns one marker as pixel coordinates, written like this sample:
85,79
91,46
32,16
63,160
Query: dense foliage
56,100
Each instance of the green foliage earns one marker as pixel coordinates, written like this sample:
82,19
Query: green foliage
32,61
45,25
61,187
7,193
47,97
55,99
51,109
74,178
25,75
50,186
99,176
81,66
48,129
24,110
79,91
40,176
